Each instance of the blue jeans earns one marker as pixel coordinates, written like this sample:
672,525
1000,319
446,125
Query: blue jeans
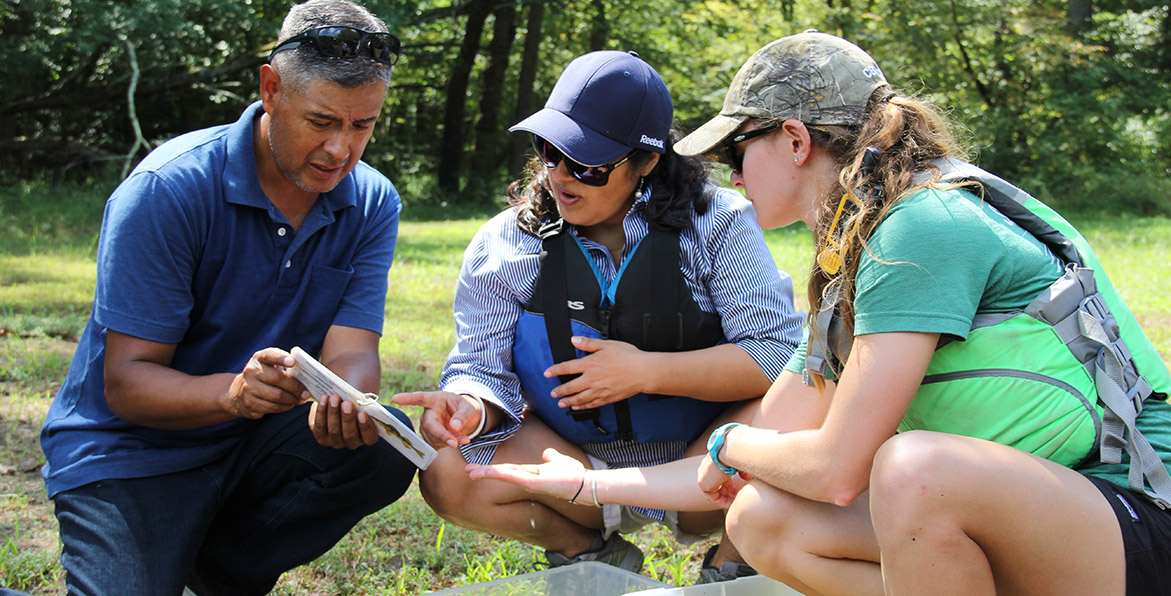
232,526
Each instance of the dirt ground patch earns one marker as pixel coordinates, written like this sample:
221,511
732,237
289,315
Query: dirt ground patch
28,529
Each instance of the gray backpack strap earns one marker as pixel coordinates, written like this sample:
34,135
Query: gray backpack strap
816,352
1075,309
829,338
841,338
1123,406
1079,315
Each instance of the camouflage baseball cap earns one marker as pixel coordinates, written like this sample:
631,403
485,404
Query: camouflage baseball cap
814,77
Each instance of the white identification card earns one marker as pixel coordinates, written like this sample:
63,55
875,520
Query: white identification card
320,381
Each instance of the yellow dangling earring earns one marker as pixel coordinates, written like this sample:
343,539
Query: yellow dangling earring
832,255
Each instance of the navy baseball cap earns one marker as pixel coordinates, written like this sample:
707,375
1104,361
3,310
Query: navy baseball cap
605,104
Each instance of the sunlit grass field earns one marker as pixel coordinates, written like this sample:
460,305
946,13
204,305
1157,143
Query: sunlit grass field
47,248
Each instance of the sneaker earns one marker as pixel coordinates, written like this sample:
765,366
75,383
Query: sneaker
730,570
616,551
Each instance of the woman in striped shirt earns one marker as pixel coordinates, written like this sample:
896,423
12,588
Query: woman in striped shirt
621,309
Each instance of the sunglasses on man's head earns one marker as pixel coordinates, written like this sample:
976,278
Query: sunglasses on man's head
339,41
588,175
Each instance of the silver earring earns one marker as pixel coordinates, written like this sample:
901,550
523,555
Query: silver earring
796,159
641,188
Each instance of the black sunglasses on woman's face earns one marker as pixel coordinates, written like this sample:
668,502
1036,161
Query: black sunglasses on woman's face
588,175
345,42
735,158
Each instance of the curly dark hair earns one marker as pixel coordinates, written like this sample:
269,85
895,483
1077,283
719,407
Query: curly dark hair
679,187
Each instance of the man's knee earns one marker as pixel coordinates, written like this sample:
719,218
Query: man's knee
111,542
383,472
391,474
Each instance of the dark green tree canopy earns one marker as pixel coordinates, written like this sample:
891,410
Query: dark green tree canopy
1068,98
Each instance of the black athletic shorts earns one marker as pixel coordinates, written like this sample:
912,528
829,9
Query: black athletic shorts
1146,535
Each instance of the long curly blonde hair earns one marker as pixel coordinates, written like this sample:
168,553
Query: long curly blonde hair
908,133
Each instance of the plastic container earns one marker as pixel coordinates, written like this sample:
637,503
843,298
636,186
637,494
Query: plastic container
756,585
589,578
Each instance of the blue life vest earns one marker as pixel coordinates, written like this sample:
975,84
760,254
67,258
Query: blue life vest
647,305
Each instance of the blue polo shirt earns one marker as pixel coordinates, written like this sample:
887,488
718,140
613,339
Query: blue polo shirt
193,253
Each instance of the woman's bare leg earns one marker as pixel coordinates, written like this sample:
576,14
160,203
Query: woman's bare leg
507,510
816,548
958,515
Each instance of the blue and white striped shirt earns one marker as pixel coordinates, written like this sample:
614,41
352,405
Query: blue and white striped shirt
723,258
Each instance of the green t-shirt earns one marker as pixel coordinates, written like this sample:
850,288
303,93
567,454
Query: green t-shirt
941,256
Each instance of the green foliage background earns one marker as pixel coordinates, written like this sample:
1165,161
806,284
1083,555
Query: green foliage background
1068,98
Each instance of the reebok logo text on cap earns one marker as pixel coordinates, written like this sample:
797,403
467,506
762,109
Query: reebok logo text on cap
652,142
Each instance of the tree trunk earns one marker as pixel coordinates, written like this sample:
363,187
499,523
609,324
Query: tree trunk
600,32
845,20
451,145
1078,15
490,139
518,144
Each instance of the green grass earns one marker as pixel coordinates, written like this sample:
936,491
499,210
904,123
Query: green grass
48,239
419,330
1135,253
47,243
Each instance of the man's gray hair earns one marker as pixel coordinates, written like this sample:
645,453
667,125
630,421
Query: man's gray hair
302,64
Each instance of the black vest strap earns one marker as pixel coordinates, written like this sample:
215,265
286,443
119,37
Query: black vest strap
555,295
663,321
662,326
555,300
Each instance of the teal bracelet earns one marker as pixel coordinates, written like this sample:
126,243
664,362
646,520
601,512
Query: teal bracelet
715,441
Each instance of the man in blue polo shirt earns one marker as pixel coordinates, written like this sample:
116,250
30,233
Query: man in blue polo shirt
179,450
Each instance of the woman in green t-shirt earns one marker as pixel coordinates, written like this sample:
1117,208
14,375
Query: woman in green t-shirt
936,436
